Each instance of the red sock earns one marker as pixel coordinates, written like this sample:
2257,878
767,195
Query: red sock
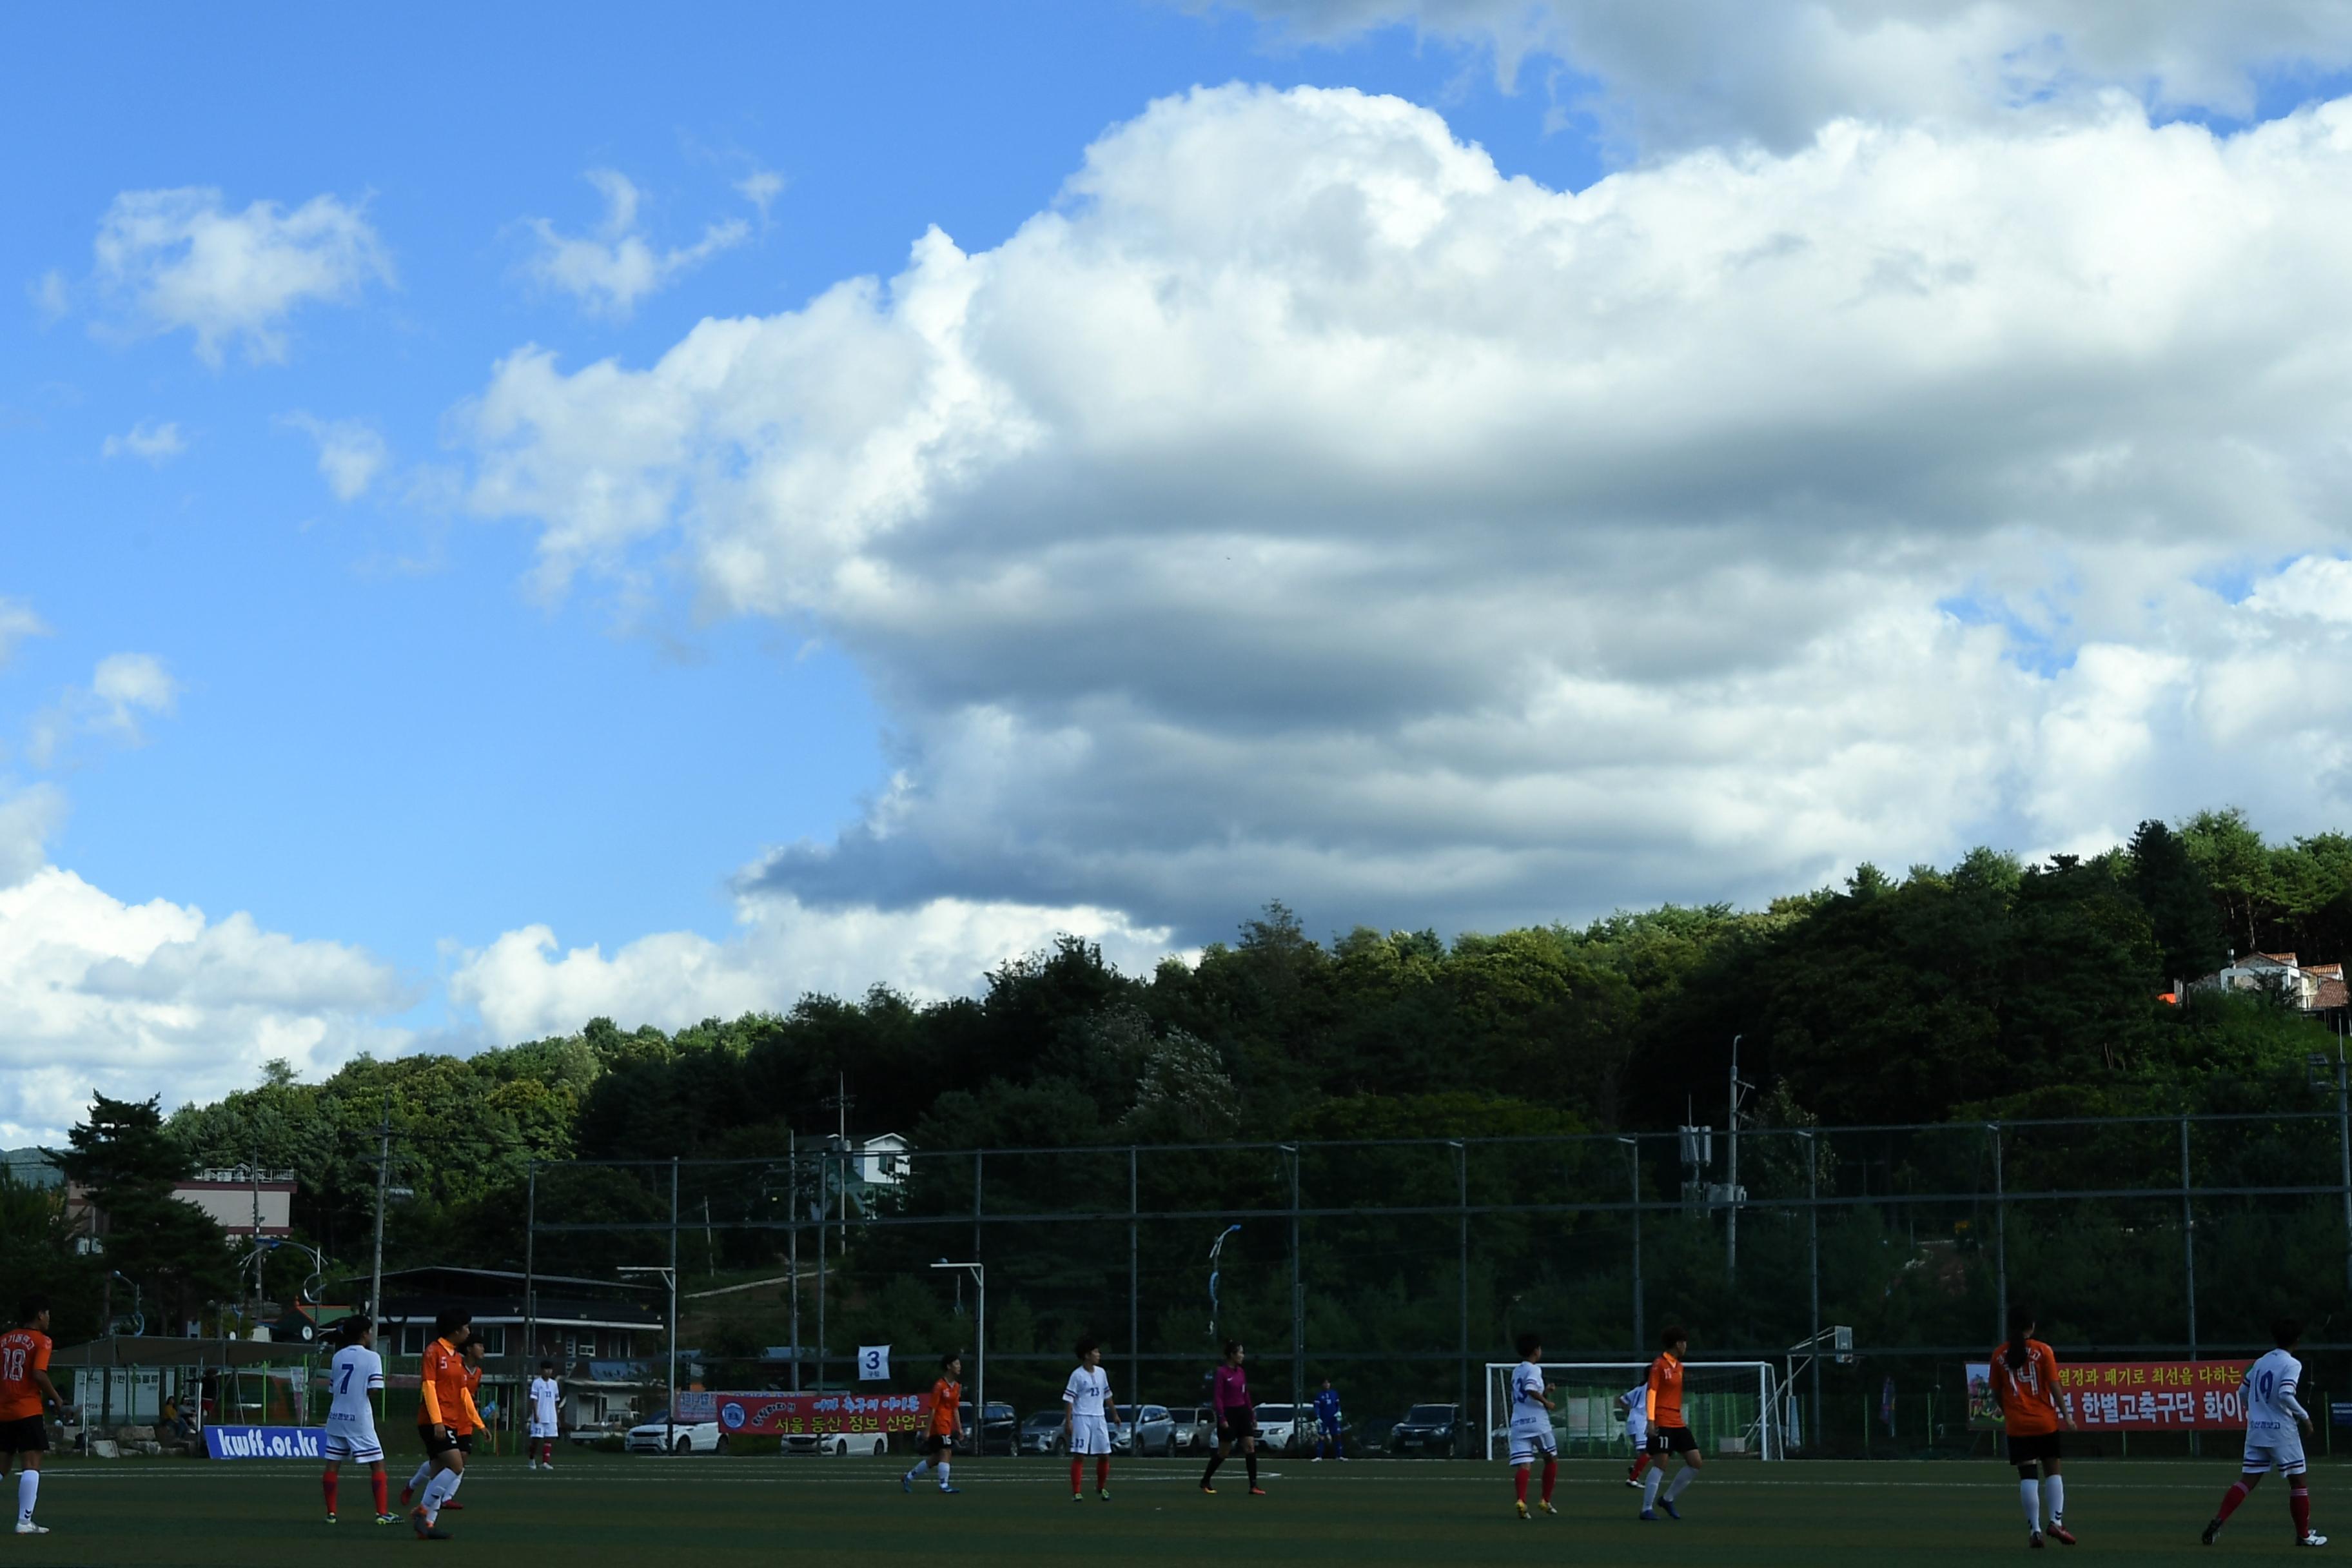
1519,1479
547,1452
1641,1463
1551,1474
381,1500
1077,1476
2298,1504
2230,1499
1102,1475
327,1484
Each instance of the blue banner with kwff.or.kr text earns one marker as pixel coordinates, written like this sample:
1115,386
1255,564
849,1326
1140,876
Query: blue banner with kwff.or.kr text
264,1442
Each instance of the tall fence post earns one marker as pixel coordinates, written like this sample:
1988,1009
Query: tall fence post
529,1266
2188,1260
2344,1153
792,1241
1634,1158
1134,1313
2001,1242
1298,1294
1462,1200
1813,1249
669,1394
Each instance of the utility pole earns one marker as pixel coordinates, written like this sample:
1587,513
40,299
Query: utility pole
793,1203
383,1177
1731,1230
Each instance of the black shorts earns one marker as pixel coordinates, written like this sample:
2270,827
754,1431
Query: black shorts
466,1443
938,1443
2032,1449
1672,1440
25,1435
436,1447
1244,1425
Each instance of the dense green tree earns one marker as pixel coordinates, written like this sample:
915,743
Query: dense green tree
123,1160
2181,912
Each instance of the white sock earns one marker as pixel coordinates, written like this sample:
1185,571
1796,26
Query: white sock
1649,1487
2029,1490
436,1492
921,1466
424,1474
28,1487
2053,1492
943,1472
1682,1483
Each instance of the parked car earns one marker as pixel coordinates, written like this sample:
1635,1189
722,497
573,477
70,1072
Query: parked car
1042,1433
1278,1427
837,1444
1195,1428
999,1430
1432,1431
676,1437
1152,1431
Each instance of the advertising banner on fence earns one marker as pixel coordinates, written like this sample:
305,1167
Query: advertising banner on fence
264,1442
2131,1395
776,1413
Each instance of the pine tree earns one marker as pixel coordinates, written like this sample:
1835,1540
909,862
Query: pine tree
2178,901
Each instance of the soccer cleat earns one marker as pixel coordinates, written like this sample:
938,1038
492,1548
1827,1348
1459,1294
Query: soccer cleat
1634,1484
1077,1497
1316,1460
2212,1529
2061,1535
1258,1491
1672,1512
907,1484
26,1527
2035,1541
1522,1507
1649,1517
387,1519
1547,1508
330,1518
1208,1490
453,1502
2308,1538
1102,1492
946,1490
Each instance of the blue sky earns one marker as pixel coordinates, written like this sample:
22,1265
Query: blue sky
579,547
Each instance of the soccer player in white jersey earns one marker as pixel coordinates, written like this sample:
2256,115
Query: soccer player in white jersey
1087,1411
2277,1425
1531,1432
353,1378
1635,1403
542,1397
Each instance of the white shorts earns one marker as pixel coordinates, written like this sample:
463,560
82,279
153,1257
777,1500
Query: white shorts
543,1429
1637,1430
2280,1451
1526,1446
361,1446
1090,1435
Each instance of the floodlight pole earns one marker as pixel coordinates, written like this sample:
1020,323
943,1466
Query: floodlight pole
669,1278
979,1271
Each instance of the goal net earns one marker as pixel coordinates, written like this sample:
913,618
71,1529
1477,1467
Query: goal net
1729,1406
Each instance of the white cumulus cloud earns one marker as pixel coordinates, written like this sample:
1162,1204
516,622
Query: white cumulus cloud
352,452
156,443
124,690
522,985
1303,506
180,259
610,269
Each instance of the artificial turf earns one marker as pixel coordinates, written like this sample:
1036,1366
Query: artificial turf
608,1509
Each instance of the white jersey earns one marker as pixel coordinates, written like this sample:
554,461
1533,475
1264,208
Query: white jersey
1089,1391
2272,1406
544,1392
1528,1412
355,1374
1635,1403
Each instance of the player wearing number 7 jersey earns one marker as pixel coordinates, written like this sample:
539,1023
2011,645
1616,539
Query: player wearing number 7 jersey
353,1377
2276,1423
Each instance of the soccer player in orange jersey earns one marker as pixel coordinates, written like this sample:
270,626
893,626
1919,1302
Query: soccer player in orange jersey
945,1427
445,1413
472,1350
1669,1432
24,1385
2026,1385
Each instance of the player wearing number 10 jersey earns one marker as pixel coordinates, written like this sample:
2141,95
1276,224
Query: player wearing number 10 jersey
2275,1425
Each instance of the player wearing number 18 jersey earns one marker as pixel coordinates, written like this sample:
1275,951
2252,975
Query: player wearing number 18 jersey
2275,1425
24,1385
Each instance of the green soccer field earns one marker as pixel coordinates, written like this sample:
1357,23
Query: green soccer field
601,1509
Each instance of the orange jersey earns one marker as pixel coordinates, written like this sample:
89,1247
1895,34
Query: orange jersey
23,1353
2028,1394
443,1396
1666,1396
947,1409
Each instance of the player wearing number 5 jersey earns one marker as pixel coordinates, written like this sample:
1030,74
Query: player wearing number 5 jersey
2025,1384
353,1377
2276,1423
24,1384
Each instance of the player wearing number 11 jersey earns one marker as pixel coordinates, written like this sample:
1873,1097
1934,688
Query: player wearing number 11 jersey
353,1377
2275,1425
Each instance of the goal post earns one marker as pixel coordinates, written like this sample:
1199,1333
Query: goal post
1730,1406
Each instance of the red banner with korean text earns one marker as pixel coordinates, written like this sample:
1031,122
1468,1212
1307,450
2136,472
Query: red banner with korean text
2133,1395
778,1414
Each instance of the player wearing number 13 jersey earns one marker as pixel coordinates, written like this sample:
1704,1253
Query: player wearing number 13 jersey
2275,1425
